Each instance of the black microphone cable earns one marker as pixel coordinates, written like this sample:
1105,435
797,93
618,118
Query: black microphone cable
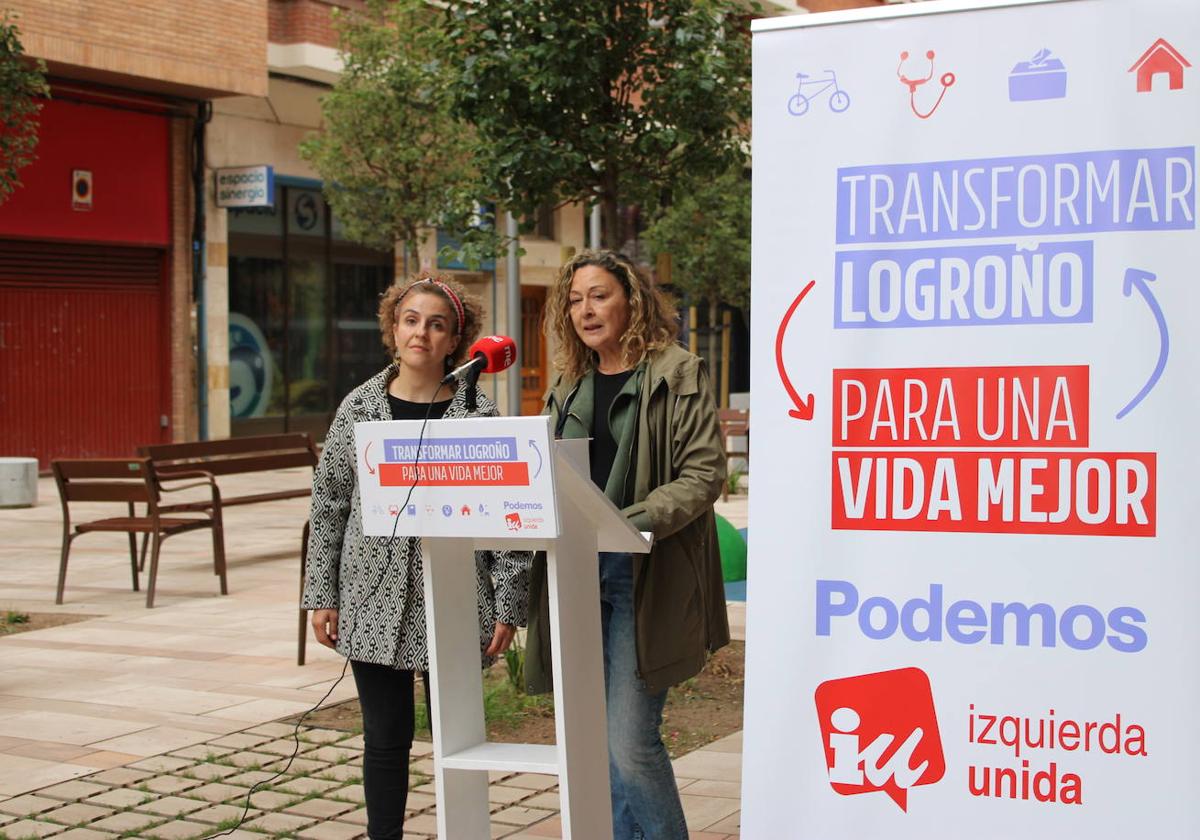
353,620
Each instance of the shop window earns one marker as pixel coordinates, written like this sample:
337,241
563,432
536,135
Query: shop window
302,303
256,338
359,351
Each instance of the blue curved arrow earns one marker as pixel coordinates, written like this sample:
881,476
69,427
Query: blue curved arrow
538,471
1136,278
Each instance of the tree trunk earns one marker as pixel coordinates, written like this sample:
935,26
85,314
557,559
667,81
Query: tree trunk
610,236
412,254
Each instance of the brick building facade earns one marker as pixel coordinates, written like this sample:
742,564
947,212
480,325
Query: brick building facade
304,21
192,50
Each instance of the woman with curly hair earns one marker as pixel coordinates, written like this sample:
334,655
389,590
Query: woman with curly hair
366,593
647,405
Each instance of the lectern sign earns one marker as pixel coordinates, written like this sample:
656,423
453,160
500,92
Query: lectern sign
474,477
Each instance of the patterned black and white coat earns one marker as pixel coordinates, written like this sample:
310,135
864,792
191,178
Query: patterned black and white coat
343,565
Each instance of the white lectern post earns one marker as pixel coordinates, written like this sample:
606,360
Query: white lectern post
587,523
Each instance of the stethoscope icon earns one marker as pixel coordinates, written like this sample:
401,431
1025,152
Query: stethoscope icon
946,80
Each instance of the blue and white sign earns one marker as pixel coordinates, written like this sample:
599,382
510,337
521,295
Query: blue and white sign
478,477
972,589
251,368
246,186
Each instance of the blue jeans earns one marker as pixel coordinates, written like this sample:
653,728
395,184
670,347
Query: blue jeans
645,800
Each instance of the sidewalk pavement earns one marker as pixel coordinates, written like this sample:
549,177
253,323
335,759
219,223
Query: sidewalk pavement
155,723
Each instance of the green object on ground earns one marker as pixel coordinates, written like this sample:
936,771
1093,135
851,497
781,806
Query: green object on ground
733,550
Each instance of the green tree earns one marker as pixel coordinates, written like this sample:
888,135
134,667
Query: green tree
22,84
602,100
706,232
394,157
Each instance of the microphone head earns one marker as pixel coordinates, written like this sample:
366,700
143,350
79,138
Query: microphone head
500,351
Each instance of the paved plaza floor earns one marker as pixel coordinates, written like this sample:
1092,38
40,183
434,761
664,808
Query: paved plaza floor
156,723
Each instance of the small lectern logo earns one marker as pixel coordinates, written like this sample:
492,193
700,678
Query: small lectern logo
880,733
513,521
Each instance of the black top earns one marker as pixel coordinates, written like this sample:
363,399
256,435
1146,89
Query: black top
602,450
405,410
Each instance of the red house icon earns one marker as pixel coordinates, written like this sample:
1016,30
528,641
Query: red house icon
1160,58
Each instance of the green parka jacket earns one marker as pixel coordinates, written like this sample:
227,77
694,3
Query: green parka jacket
668,471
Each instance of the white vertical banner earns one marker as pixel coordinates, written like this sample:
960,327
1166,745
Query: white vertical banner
976,295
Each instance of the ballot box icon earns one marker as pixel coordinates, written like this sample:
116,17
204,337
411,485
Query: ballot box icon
1042,77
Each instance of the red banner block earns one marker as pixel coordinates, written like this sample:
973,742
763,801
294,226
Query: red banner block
1015,406
1082,493
433,474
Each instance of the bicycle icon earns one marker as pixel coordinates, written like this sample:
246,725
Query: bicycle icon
798,103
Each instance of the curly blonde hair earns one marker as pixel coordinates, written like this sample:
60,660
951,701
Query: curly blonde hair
652,324
428,284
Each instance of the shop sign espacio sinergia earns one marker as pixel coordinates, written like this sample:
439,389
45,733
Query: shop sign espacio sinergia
246,186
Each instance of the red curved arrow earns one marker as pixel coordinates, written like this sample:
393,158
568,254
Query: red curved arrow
366,460
804,407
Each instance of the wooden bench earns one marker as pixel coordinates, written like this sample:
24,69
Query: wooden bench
233,456
131,481
735,423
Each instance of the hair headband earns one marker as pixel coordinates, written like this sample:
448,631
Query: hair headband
459,312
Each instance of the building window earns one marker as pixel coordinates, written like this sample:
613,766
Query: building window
302,313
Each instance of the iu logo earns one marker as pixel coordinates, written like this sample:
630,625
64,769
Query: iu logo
513,521
880,733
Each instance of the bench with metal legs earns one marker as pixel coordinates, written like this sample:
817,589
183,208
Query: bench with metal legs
735,434
134,482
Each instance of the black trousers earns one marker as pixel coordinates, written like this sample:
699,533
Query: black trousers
385,695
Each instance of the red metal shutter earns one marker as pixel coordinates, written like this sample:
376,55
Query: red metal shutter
82,352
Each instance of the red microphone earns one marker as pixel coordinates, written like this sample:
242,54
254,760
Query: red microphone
490,354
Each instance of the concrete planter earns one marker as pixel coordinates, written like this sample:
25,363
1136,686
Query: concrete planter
18,482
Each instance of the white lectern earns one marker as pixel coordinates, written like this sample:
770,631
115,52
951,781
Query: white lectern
587,524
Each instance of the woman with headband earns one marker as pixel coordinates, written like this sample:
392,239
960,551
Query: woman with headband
366,593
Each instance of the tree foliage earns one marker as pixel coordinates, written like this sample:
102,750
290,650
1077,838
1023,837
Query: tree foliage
394,157
707,233
602,100
22,84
